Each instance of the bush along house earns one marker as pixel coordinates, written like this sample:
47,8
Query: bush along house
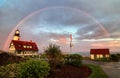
99,53
22,48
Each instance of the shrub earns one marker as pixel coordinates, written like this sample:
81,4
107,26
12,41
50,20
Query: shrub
104,59
43,56
73,59
9,71
9,58
118,55
33,69
114,57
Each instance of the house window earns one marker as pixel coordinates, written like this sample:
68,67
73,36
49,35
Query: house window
92,56
107,55
30,46
101,56
24,46
98,56
12,44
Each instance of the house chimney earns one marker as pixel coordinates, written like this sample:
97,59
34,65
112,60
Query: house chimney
30,40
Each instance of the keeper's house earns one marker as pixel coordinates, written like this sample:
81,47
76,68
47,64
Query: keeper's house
22,48
99,53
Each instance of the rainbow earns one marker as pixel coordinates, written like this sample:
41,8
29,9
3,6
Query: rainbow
5,47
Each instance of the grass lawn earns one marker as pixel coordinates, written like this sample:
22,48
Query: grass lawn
97,72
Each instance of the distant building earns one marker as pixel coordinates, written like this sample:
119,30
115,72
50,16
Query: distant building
99,53
22,48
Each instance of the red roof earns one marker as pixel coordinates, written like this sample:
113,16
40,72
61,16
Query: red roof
25,45
99,51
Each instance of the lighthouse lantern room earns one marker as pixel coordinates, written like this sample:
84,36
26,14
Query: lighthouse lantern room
16,35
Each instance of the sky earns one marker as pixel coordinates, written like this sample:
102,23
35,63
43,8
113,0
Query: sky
92,23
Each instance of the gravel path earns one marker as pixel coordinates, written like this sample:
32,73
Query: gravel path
112,69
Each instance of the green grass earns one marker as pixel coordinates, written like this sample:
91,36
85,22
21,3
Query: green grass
97,72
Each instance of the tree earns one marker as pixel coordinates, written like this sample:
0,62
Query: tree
54,55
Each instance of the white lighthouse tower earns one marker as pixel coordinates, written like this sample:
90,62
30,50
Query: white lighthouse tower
16,35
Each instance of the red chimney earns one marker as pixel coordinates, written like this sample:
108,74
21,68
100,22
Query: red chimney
30,40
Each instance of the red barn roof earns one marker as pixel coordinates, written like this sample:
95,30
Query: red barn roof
99,51
25,45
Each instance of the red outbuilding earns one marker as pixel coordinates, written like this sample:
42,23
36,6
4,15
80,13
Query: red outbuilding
99,53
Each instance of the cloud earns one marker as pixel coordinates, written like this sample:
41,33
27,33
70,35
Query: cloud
90,32
63,40
55,24
113,45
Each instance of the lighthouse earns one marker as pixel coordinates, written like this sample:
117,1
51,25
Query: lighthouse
16,35
22,48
